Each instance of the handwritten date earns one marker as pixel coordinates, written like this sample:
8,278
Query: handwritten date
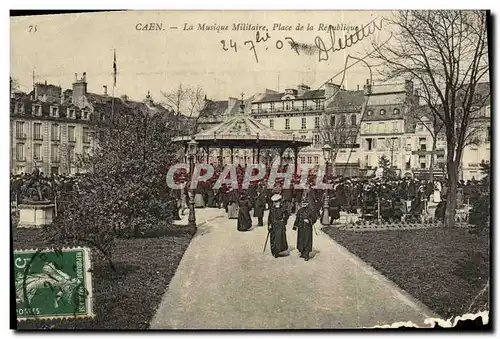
260,40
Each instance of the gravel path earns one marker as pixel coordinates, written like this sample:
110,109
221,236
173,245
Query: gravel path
225,282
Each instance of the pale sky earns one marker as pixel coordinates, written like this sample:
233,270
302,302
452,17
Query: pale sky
160,60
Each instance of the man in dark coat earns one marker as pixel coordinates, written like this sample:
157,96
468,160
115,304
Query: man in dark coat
304,222
276,225
244,219
260,206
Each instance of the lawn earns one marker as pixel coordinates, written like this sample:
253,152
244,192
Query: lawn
127,298
443,268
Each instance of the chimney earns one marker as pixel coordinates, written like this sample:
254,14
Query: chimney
330,90
79,90
358,88
231,104
45,82
105,90
368,87
301,89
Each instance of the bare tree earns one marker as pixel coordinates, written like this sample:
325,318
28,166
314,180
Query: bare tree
337,132
431,122
445,53
67,158
185,101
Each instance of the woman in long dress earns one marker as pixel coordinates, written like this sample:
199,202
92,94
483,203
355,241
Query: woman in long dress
244,219
437,192
276,225
232,207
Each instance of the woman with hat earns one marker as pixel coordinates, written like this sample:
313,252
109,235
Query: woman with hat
304,222
244,219
276,225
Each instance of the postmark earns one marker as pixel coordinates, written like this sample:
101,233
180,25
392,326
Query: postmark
53,283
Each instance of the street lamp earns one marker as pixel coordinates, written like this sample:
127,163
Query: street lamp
192,150
326,154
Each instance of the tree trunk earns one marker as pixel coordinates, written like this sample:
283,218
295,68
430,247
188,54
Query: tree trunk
433,155
451,194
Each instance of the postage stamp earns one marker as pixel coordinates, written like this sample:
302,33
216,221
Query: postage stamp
52,283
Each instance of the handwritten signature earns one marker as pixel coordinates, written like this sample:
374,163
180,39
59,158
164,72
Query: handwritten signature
348,40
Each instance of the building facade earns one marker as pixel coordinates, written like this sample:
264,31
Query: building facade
50,129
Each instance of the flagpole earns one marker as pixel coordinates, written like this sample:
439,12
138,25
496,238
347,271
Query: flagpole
114,85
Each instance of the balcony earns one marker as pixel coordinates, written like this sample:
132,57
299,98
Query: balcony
55,138
21,136
55,160
21,159
37,137
73,140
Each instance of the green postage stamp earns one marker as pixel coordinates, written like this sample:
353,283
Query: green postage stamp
53,283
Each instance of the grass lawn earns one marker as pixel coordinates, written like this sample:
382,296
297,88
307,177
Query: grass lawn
444,269
127,298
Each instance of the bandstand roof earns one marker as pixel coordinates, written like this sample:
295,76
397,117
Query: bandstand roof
241,130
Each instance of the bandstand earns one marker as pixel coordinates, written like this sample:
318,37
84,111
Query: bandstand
241,131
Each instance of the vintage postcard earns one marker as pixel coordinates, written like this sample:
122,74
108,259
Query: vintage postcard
251,169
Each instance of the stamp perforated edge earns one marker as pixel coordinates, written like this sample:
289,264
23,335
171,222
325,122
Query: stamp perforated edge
88,283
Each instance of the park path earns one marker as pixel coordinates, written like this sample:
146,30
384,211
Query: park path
224,281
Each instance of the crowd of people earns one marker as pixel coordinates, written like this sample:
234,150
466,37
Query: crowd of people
389,199
37,186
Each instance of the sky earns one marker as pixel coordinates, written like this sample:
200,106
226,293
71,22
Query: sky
156,61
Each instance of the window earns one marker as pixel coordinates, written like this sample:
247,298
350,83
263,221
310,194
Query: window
316,159
421,161
20,130
304,105
382,111
316,122
37,131
488,111
332,121
302,160
86,135
287,123
353,120
396,111
303,137
259,108
369,144
423,144
19,108
54,153
71,134
318,104
272,106
71,153
54,111
316,139
382,143
342,119
304,123
37,151
71,113
54,132
488,134
287,104
20,152
37,110
369,112
309,160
